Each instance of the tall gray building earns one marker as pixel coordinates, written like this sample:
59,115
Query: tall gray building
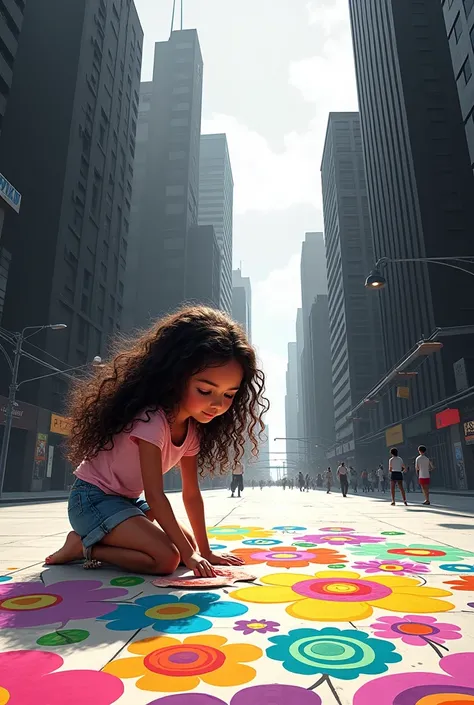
299,362
216,197
459,20
420,189
166,186
313,282
322,376
291,402
242,301
355,333
67,143
204,265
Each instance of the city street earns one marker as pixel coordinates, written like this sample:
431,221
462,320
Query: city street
355,601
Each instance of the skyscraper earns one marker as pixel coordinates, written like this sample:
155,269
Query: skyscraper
313,282
216,196
420,187
322,376
204,264
242,301
68,142
354,321
291,402
11,20
459,20
166,188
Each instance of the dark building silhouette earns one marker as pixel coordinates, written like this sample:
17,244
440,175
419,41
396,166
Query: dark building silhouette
322,374
216,199
67,144
11,20
459,20
420,189
203,276
242,301
166,187
354,320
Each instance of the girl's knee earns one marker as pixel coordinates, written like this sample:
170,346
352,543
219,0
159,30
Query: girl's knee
166,562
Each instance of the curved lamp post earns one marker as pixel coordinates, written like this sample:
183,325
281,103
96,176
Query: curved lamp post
376,280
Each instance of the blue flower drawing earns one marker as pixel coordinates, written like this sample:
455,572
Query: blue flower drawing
172,615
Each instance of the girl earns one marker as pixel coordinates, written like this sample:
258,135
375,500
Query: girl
396,468
188,391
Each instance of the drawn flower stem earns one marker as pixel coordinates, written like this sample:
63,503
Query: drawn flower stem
436,647
325,679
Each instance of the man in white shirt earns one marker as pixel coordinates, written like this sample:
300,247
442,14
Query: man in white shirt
396,468
343,478
423,467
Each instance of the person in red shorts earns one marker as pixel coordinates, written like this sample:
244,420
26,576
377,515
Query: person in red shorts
423,467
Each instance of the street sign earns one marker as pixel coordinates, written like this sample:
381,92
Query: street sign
10,194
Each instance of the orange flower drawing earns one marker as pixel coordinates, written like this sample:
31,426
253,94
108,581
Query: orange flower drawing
289,556
465,582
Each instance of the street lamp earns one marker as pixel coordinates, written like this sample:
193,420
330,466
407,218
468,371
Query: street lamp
376,280
19,339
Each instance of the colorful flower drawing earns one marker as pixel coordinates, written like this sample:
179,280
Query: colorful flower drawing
339,529
457,567
172,615
338,539
415,688
418,552
33,604
237,533
261,542
249,626
217,546
394,567
344,654
343,596
289,528
5,578
392,533
289,556
255,695
171,666
465,582
416,631
33,677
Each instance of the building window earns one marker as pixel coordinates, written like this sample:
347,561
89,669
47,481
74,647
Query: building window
457,28
468,5
465,73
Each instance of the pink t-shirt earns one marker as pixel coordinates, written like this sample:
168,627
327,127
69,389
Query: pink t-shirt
117,471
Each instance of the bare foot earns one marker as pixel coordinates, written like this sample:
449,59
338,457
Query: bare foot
71,551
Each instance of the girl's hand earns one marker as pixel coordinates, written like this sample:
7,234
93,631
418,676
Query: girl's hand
223,559
200,566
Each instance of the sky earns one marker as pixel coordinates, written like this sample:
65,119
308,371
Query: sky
273,70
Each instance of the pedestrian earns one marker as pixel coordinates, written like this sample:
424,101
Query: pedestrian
365,481
260,482
424,467
301,481
237,480
180,393
284,482
396,469
354,478
253,484
292,483
380,474
372,479
307,481
319,480
343,478
328,480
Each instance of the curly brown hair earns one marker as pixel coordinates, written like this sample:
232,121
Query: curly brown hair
152,372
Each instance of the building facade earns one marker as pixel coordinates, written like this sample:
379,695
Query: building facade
291,402
67,143
166,188
322,377
354,320
216,198
420,187
313,283
204,261
242,301
459,21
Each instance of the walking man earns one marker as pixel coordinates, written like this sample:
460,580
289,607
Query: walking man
328,480
343,478
237,480
424,466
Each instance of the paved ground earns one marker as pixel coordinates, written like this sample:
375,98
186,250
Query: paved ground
356,602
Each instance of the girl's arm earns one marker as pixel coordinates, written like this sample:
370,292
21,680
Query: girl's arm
150,464
194,506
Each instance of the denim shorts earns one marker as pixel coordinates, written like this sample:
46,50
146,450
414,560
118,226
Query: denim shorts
93,513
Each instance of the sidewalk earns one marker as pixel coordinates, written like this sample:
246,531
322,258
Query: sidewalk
355,602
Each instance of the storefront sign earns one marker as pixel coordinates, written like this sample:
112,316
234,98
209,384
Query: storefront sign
49,469
10,194
23,416
403,392
40,456
60,424
394,435
448,417
459,464
469,433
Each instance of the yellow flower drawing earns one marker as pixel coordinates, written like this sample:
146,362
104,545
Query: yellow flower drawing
167,665
237,533
344,596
